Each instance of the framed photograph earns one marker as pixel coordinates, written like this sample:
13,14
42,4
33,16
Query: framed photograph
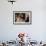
22,17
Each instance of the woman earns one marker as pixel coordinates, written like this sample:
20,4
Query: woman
20,17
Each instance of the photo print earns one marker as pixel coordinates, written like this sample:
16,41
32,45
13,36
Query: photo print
22,17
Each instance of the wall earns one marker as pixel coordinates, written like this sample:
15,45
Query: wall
10,31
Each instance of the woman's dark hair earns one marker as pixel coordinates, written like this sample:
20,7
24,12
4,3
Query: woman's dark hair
27,20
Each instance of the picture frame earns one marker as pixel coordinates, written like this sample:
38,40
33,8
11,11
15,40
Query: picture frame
22,17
